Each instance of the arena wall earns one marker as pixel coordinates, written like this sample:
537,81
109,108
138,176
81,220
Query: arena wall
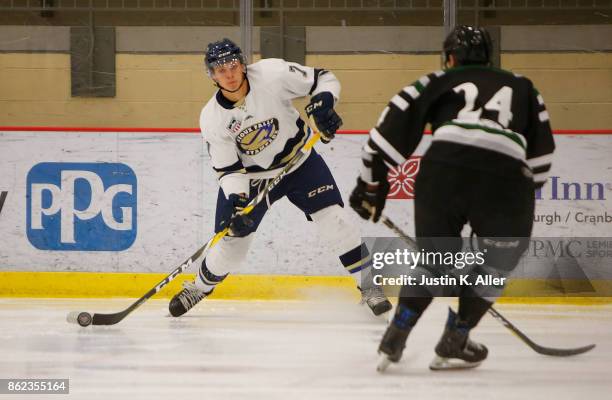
161,88
160,80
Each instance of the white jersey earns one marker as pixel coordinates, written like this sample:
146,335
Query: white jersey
258,135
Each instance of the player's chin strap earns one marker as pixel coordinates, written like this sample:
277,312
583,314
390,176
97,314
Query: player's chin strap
548,351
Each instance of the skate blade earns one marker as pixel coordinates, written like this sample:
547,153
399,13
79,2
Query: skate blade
383,363
444,364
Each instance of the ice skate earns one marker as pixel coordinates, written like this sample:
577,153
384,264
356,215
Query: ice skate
186,299
375,298
455,350
394,340
392,346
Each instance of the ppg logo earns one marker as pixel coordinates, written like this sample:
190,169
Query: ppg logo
81,206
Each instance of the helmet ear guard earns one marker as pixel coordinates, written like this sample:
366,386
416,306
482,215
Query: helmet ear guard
468,45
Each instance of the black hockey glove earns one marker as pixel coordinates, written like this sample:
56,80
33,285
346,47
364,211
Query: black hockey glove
321,109
369,201
239,225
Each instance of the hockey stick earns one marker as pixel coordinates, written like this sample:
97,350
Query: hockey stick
548,351
84,318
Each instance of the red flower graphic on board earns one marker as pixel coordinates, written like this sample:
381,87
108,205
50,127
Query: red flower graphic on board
401,179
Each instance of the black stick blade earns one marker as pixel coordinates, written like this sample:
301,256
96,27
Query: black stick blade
108,319
549,351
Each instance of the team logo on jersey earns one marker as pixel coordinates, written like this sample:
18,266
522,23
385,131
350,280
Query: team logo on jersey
257,137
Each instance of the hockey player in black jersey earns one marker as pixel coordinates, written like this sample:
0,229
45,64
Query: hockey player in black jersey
491,148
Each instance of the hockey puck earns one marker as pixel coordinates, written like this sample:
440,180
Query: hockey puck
81,318
84,319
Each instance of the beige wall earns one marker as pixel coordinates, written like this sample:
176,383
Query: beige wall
152,91
169,90
577,87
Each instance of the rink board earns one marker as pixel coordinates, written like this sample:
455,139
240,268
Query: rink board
110,284
155,198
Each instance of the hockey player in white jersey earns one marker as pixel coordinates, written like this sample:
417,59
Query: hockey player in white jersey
252,130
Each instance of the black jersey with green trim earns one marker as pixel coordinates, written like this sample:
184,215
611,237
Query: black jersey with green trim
481,117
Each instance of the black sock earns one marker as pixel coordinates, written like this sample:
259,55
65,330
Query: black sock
471,310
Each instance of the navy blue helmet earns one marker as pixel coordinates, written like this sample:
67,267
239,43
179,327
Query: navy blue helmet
468,45
222,52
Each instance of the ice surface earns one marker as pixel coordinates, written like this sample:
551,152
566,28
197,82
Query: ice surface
294,350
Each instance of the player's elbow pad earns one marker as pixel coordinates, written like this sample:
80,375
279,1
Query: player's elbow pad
234,183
